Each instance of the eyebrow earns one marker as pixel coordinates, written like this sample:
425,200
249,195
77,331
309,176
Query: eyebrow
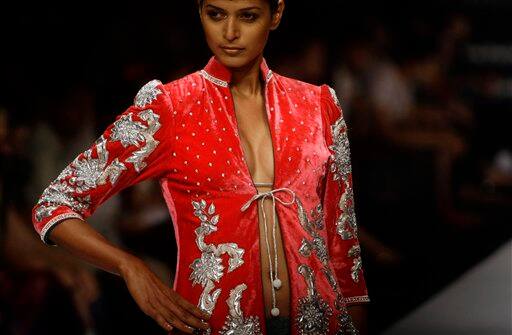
241,9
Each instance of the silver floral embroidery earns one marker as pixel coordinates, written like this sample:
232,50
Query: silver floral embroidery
147,93
344,323
313,312
341,168
317,244
59,193
346,224
138,157
341,165
84,174
236,323
127,131
90,172
355,253
208,268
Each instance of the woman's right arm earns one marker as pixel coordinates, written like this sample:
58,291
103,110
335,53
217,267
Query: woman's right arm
132,149
154,298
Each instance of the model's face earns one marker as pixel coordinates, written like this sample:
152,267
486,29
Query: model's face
237,30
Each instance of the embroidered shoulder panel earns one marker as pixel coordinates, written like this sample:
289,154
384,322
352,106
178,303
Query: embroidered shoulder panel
83,174
147,94
137,158
87,172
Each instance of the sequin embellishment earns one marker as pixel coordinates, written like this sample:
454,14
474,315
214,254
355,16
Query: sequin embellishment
147,93
313,312
341,168
317,244
355,253
127,131
213,79
137,158
208,269
83,174
236,323
343,319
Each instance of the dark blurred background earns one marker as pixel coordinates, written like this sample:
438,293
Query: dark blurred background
426,88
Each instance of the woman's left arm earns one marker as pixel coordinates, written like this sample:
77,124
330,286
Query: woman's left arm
338,205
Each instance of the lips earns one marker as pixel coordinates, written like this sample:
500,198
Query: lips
228,47
232,50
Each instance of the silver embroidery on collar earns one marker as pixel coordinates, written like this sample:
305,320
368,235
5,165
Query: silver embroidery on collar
236,323
208,268
224,83
213,79
147,93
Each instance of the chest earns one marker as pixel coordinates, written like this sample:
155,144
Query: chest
254,136
221,144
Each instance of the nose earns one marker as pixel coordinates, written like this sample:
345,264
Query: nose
231,30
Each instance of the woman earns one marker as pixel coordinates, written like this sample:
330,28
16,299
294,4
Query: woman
236,148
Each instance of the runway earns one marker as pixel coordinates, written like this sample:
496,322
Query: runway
478,303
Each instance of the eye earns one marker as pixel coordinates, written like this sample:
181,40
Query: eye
215,15
249,16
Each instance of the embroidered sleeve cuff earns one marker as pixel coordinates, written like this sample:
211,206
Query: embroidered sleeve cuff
356,300
45,232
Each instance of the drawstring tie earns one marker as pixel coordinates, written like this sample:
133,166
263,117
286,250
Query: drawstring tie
275,282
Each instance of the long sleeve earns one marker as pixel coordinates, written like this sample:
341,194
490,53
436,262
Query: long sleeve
133,148
338,204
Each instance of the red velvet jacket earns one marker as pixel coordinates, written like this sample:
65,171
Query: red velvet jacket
184,133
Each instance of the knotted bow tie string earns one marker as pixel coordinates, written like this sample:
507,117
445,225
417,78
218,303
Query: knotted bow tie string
274,281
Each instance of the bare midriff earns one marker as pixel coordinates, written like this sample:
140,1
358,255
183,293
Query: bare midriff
257,146
283,293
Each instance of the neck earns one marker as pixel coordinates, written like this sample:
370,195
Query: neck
246,80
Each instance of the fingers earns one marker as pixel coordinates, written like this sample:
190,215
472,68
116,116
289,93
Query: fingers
172,309
184,303
192,309
159,318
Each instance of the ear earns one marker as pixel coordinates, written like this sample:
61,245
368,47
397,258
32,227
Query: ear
277,15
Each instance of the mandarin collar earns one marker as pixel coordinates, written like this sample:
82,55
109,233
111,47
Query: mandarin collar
219,74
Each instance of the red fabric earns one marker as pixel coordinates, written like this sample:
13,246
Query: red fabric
199,157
